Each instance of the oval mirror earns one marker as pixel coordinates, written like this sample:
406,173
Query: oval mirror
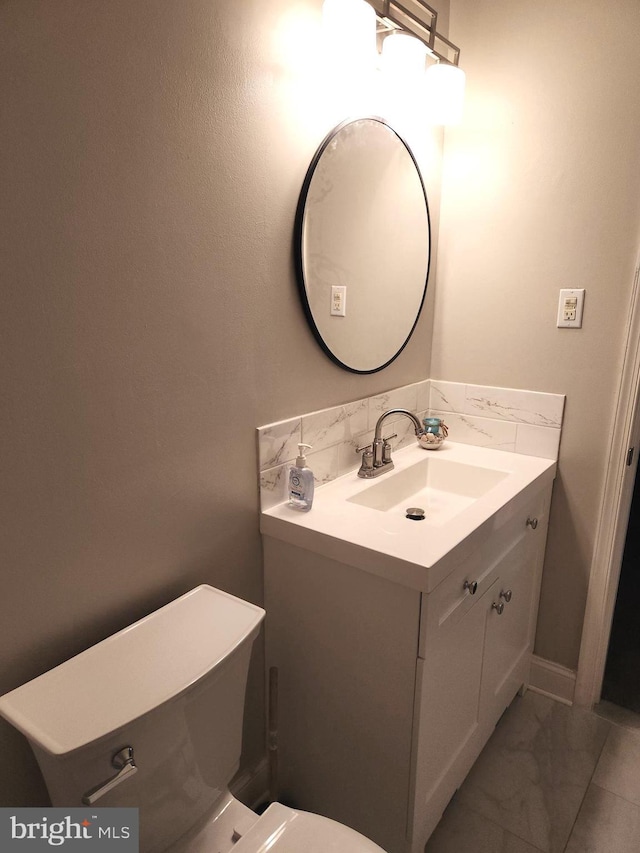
362,239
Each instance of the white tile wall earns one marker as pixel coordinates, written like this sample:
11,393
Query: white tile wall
506,419
334,435
503,418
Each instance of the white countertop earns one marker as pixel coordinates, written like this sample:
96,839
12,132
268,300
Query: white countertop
415,553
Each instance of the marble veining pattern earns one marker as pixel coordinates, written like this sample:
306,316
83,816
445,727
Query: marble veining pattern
272,486
399,398
508,404
551,779
447,396
334,426
510,419
503,419
533,780
481,432
334,435
278,442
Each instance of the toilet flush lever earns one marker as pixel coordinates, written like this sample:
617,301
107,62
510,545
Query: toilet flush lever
124,764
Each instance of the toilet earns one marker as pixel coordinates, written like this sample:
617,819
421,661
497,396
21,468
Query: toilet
151,718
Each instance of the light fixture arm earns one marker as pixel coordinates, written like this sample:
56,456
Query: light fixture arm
395,15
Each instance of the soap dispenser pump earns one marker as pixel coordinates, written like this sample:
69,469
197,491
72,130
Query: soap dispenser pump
301,483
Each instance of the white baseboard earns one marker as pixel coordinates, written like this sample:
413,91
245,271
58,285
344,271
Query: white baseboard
252,786
552,680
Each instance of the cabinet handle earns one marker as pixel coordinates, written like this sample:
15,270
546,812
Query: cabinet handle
471,586
498,607
506,594
532,523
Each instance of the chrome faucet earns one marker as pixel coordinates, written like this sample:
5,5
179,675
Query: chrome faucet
376,458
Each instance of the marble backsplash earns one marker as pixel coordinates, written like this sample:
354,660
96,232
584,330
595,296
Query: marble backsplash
526,422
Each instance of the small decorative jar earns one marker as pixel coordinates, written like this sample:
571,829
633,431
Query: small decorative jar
435,432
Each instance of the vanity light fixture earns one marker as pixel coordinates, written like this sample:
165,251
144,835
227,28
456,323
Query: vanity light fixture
416,22
444,79
418,19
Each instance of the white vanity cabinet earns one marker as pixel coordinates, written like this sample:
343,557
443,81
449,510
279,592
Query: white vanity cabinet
387,692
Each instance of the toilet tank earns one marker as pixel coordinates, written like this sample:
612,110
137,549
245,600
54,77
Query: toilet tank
170,686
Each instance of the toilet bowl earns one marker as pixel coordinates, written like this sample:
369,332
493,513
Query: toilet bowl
151,718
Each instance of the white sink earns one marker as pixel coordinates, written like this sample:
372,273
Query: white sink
467,492
436,484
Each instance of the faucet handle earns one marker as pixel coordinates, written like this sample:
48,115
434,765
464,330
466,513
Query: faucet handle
367,459
386,448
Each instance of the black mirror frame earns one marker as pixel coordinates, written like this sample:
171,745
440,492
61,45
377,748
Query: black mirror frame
298,235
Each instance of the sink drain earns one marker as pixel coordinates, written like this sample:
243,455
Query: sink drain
415,513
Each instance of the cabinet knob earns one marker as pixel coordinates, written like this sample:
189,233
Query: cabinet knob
532,523
471,586
506,594
498,607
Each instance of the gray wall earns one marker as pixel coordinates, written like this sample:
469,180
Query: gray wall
541,190
151,156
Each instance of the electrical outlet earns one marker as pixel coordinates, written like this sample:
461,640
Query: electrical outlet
338,301
570,307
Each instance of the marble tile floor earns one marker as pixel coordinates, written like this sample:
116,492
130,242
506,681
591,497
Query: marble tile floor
552,779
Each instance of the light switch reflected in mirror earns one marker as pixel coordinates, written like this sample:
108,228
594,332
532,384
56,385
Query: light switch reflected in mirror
363,240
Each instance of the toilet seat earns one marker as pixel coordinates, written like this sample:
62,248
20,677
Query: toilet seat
285,830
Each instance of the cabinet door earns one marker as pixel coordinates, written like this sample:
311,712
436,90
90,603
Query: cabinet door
510,628
447,712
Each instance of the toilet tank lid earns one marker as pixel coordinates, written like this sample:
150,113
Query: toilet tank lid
146,664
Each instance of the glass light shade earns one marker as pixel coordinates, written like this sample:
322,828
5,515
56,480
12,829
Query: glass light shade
445,93
403,56
350,34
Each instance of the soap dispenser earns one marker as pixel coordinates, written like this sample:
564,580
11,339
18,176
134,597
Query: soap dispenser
301,483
